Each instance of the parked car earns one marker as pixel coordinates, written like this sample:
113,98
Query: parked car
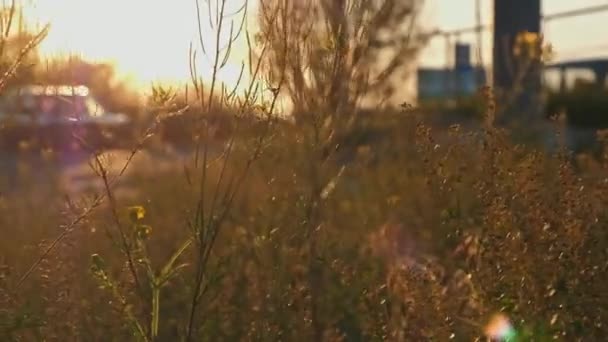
61,116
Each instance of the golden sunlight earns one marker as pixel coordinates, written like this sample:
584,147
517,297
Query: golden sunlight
146,40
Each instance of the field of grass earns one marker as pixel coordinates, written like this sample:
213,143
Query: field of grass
406,239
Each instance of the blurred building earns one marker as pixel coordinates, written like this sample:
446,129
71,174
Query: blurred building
596,67
462,80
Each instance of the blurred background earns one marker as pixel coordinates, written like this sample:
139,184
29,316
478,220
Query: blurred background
120,60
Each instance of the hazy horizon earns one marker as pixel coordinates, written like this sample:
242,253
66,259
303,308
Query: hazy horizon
154,47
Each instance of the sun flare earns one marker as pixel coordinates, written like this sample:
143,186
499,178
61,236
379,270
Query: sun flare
146,40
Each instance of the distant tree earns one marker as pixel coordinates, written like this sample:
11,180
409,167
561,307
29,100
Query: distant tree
331,54
18,47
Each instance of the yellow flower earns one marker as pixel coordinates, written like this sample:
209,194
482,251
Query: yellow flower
136,213
529,38
528,43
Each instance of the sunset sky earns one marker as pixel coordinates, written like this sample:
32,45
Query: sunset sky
149,39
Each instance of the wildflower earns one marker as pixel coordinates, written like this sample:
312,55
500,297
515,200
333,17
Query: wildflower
136,213
529,38
528,43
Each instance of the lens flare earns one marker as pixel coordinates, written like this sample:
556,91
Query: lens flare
499,328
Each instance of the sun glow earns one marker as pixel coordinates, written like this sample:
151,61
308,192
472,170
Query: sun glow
147,40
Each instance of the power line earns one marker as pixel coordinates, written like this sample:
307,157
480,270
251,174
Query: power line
479,33
548,17
577,12
479,28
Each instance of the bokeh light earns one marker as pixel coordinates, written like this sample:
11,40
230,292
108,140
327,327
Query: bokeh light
499,328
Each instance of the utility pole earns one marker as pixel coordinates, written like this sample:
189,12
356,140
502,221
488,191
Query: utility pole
520,87
447,79
479,36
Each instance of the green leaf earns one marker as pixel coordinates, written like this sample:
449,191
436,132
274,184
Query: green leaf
168,269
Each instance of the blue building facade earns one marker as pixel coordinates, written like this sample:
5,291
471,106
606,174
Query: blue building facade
462,80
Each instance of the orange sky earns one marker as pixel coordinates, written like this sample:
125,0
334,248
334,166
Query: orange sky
147,39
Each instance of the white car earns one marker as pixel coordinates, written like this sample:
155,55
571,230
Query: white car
58,115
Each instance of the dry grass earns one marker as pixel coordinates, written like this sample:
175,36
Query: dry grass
379,228
416,242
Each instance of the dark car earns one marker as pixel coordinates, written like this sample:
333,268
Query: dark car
60,117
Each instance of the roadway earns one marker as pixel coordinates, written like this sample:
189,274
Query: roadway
71,174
